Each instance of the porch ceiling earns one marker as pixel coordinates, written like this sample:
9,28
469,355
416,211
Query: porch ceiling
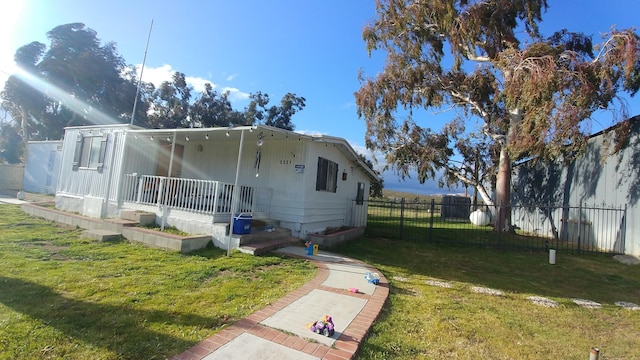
256,132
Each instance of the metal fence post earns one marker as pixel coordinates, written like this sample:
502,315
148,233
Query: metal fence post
579,225
623,231
563,238
431,219
402,218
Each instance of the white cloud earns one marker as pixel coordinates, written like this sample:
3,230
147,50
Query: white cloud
235,94
198,83
231,77
376,157
158,75
310,132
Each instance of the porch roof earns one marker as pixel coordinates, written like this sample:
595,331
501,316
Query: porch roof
262,131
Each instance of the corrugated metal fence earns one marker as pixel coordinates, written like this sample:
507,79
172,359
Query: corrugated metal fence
561,227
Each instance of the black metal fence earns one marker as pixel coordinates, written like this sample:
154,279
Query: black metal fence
564,228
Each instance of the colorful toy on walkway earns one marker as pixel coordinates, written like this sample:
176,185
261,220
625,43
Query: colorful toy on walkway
312,249
324,326
309,246
372,278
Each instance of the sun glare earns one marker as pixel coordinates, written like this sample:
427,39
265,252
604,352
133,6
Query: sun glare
72,103
11,15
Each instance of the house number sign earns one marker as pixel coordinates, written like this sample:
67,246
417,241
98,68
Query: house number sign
285,162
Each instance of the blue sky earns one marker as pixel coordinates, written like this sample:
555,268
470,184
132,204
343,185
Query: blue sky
311,48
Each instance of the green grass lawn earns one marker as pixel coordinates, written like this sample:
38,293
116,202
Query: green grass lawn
62,296
66,297
421,321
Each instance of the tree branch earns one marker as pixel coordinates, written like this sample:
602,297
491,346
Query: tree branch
476,58
485,114
478,185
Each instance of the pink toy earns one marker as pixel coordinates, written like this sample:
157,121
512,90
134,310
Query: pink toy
324,326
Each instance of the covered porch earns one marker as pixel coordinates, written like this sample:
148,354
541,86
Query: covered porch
194,196
193,178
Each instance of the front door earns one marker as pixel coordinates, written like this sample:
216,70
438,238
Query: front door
162,169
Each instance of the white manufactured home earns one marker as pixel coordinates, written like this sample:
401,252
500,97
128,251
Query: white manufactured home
196,179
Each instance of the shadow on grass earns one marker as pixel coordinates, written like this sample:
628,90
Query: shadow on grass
101,325
590,276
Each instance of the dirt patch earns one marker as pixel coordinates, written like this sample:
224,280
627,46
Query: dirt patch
52,250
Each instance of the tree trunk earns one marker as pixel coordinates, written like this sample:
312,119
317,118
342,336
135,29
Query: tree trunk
24,114
503,192
503,180
485,197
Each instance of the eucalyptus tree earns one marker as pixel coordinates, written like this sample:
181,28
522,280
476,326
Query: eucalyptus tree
212,109
258,111
375,190
531,94
68,83
170,103
11,149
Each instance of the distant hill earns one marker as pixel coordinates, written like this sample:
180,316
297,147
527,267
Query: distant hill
408,196
392,194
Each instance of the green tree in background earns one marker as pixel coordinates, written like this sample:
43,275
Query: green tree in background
11,146
169,103
258,111
212,109
69,84
530,94
78,81
375,190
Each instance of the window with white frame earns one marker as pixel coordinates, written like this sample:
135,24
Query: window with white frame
327,178
89,152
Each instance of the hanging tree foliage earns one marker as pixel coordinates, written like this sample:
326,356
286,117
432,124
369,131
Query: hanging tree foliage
533,95
67,83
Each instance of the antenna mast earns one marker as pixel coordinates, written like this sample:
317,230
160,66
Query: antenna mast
144,60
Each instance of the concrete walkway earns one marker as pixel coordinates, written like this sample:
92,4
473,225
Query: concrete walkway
279,330
5,199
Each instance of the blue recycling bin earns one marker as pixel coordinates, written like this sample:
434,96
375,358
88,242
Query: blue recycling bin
242,224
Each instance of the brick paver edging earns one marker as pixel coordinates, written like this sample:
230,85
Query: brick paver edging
345,347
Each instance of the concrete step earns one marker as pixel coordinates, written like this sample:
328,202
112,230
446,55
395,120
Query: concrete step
265,223
141,217
257,236
102,235
269,245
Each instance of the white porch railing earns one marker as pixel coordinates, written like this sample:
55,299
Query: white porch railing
202,196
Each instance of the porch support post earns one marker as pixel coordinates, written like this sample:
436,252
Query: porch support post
234,195
105,205
123,156
164,203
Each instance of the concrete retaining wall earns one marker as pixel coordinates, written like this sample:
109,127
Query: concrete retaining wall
183,244
332,240
11,178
